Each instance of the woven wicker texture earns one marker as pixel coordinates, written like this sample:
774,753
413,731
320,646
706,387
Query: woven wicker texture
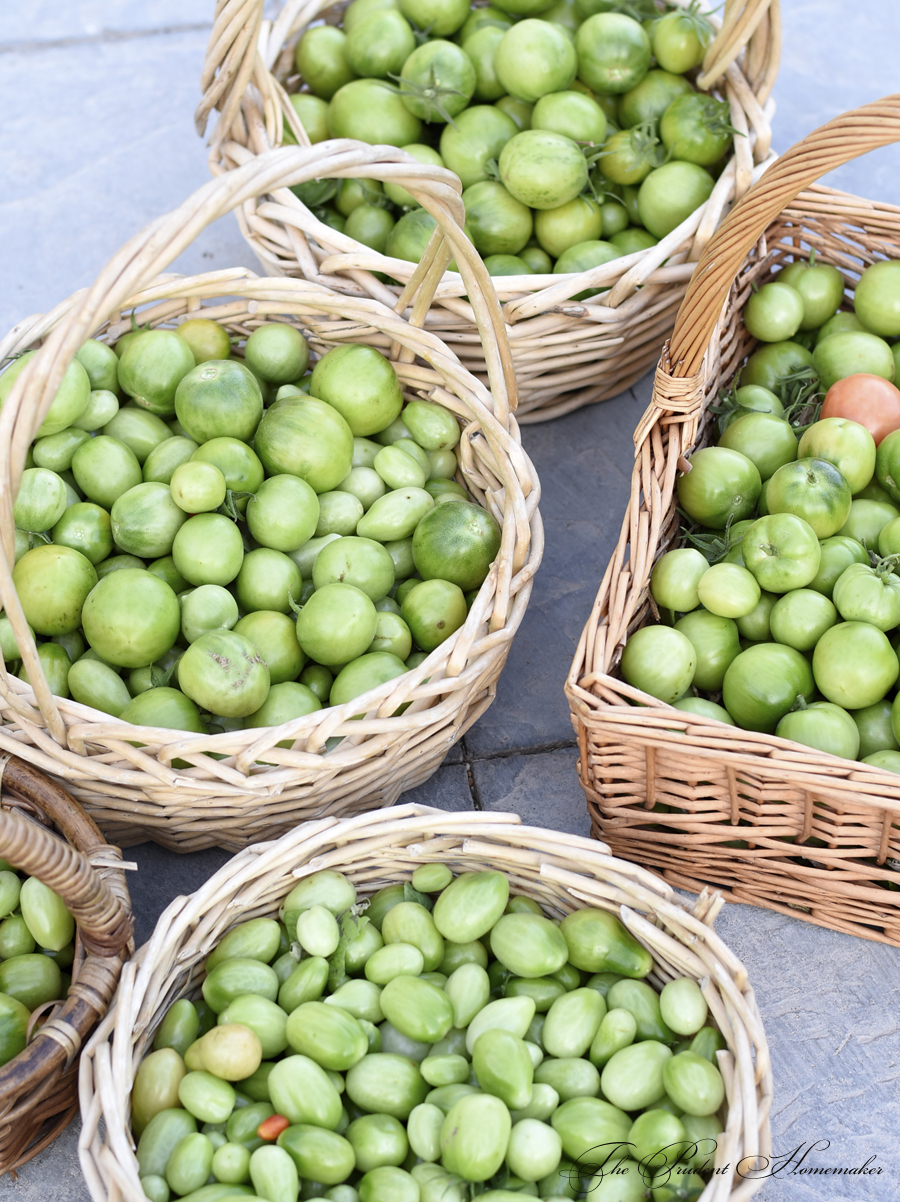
567,353
133,791
820,834
38,1087
561,872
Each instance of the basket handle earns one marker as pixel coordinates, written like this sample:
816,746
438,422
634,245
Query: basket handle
149,252
104,923
831,145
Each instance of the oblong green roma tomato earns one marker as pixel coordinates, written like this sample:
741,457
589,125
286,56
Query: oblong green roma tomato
682,1006
417,1008
503,1067
569,1077
377,1139
384,900
542,990
256,1086
266,1019
469,990
693,1083
326,888
627,1185
159,1139
156,1086
409,922
633,1078
318,932
583,1123
398,1044
529,945
178,1028
360,998
46,915
659,1136
93,683
572,1022
534,1150
617,1030
395,515
598,942
642,1001
511,1014
274,1173
384,1083
318,1155
326,1034
231,1051
388,1183
10,891
431,878
207,1098
162,462
15,938
189,1165
445,1097
423,1130
394,960
156,1189
257,939
31,979
436,1184
361,946
53,584
475,1136
305,984
432,426
457,954
230,1164
303,1092
235,976
242,1126
445,1070
470,905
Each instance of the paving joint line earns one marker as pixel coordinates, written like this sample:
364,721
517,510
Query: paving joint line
106,35
470,777
540,749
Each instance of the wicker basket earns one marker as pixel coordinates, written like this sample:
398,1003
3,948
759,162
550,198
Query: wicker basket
559,871
725,784
134,792
566,353
38,1088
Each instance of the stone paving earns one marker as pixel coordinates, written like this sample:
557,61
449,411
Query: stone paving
97,139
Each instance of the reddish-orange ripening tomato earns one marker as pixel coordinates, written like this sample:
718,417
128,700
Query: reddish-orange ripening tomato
870,400
272,1127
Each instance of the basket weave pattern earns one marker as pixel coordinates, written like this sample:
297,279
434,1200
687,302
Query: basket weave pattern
38,1088
567,353
818,834
561,872
256,789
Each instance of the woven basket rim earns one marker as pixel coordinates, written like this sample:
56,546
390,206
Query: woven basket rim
576,869
259,44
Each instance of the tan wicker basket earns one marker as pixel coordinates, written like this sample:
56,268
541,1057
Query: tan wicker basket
134,792
566,353
559,871
725,784
38,1088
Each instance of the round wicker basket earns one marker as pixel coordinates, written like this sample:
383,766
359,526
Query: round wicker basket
721,785
231,800
567,353
38,1088
561,872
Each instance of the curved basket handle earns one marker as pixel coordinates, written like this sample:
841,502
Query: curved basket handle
845,138
149,252
104,923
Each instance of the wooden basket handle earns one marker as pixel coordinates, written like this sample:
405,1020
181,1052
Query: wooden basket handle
104,922
833,144
149,252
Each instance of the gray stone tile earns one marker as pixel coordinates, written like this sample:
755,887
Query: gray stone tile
542,789
118,152
45,21
448,789
164,875
584,464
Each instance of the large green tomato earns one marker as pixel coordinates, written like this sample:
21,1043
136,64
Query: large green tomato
821,288
837,553
875,730
131,618
674,579
763,683
361,385
854,665
877,298
846,444
864,594
814,490
660,661
800,618
535,58
721,484
307,438
766,440
70,401
852,351
613,52
782,552
824,726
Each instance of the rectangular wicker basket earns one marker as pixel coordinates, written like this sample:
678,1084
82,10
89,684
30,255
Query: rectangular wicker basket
775,823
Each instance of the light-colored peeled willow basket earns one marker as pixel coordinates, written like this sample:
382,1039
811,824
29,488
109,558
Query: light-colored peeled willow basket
44,833
562,872
721,784
567,353
253,789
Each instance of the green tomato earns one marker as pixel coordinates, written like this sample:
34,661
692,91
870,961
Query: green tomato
542,169
854,665
86,528
372,110
716,642
721,484
767,441
131,618
782,552
613,52
660,661
875,299
762,684
675,577
875,729
823,726
535,58
477,135
774,313
865,594
836,554
670,194
68,404
800,617
208,549
821,288
850,352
